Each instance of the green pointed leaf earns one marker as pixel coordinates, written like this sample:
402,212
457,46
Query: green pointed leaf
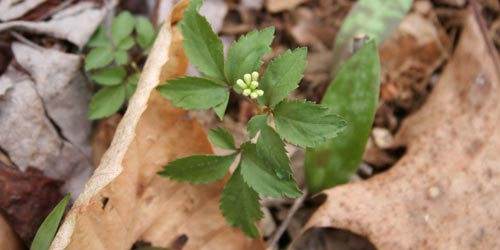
98,57
376,18
131,84
121,27
220,109
245,55
121,57
203,47
282,76
99,38
271,150
240,205
222,138
255,124
106,102
48,229
353,95
306,124
126,43
194,92
262,178
110,76
198,169
145,32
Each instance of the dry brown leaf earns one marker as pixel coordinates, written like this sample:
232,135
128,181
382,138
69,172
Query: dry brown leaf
8,238
126,201
443,194
274,6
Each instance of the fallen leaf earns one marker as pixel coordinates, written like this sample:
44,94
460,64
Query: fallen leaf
8,237
26,198
126,201
102,137
274,6
29,137
76,24
443,193
12,9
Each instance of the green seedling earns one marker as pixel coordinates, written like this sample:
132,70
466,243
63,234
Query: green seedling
48,229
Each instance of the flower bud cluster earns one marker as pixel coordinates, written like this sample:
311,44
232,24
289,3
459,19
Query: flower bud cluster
249,85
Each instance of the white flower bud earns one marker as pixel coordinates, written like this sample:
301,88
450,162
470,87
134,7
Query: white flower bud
241,84
254,85
254,95
255,76
247,92
247,78
259,92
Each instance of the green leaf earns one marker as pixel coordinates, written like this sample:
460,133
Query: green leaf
376,18
240,205
110,76
145,32
256,124
282,76
262,178
126,43
98,57
203,47
306,124
222,138
121,57
194,92
106,102
271,150
220,109
131,84
354,95
121,27
99,38
245,55
198,169
48,229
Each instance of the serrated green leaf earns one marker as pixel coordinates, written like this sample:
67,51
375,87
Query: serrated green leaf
131,84
99,38
282,76
222,138
271,150
121,27
306,124
220,109
193,92
106,102
48,229
110,76
126,43
198,169
376,18
203,47
145,32
262,178
240,205
245,55
98,57
121,57
255,124
353,95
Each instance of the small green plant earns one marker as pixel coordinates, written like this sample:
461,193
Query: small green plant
264,167
113,61
48,229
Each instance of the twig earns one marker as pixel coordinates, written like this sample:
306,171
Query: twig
484,31
295,207
24,40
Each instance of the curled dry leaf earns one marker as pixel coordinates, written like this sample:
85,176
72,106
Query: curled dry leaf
8,238
443,194
126,201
